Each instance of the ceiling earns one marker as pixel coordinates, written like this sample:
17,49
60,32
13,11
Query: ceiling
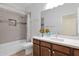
23,7
19,7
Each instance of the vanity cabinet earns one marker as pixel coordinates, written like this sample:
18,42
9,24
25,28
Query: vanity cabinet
58,50
43,48
76,52
45,51
36,51
36,48
57,53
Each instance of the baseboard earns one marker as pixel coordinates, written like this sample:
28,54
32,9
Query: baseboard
10,48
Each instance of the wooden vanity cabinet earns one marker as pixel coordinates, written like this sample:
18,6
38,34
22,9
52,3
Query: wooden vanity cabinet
36,48
57,53
76,52
45,51
45,48
41,48
58,50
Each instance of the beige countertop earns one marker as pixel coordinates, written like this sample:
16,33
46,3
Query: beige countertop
61,40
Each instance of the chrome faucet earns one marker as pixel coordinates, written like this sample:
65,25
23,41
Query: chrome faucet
57,33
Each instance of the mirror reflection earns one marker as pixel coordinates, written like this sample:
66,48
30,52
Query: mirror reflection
62,20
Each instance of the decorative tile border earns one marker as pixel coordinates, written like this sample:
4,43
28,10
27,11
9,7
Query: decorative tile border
23,23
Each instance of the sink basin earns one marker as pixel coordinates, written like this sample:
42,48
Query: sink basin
57,39
60,40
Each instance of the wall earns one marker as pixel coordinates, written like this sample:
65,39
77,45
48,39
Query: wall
53,17
69,22
10,33
10,36
35,21
78,19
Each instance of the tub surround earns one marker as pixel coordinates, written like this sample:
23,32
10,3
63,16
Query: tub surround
56,45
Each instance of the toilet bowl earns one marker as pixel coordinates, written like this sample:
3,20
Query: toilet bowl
27,46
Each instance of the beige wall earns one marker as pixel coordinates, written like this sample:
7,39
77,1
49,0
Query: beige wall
11,33
69,25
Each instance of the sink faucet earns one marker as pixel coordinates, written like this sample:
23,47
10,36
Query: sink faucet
57,33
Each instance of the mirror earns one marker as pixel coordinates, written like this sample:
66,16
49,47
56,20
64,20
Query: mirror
62,20
64,24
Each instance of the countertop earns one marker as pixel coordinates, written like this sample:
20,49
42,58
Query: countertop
69,41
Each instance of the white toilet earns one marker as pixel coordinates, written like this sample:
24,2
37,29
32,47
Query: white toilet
28,46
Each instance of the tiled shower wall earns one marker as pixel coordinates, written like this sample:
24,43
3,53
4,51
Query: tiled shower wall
11,33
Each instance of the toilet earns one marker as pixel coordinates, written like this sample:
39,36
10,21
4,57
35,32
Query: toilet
28,46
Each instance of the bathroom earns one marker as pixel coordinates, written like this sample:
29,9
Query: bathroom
20,23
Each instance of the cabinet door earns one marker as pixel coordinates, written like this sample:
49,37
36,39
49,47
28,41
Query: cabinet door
36,50
45,51
60,48
56,53
76,52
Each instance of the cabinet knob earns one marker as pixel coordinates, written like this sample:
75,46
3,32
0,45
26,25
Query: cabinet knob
53,52
49,52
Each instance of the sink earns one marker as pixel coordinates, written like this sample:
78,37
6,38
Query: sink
60,39
57,39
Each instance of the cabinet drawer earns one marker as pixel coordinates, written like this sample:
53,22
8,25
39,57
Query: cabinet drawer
46,44
76,52
56,53
61,48
35,41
